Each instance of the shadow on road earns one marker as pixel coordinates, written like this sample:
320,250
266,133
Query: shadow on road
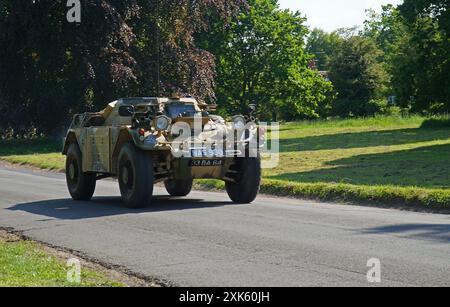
67,209
436,232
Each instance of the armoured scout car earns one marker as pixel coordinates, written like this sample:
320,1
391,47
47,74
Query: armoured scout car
143,141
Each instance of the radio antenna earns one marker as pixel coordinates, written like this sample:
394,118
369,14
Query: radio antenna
158,53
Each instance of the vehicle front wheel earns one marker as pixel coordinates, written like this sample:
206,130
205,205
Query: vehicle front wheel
81,185
135,177
247,185
178,188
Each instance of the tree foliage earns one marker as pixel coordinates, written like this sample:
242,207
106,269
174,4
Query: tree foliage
233,52
262,60
416,44
358,77
50,68
428,21
322,46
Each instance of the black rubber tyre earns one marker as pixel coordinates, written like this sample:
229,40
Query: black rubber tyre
135,177
81,185
245,190
179,188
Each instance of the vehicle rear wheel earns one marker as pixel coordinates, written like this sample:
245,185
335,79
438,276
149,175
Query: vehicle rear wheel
81,185
178,188
246,188
135,177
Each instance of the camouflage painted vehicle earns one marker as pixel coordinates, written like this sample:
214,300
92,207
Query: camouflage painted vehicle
143,141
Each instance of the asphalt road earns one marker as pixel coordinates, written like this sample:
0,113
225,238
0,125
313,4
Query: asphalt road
204,240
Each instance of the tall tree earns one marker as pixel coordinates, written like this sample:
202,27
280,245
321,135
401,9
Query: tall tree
322,46
388,30
262,60
166,32
428,21
358,76
415,41
50,68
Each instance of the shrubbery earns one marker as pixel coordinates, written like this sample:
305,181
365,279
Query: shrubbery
20,134
437,122
348,108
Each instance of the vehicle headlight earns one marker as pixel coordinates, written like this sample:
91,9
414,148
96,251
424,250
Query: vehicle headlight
239,122
162,123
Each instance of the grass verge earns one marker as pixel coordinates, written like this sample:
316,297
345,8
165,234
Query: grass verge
41,153
379,195
27,264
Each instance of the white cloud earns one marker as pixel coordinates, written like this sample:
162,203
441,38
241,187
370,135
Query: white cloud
331,15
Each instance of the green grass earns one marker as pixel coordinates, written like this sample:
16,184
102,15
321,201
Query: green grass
42,153
406,156
53,161
388,160
382,195
25,264
401,160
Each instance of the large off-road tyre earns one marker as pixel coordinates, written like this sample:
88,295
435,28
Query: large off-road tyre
135,177
245,190
179,188
81,185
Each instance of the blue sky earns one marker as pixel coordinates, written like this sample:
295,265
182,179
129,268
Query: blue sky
330,15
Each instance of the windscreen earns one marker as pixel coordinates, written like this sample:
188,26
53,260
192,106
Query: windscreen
181,110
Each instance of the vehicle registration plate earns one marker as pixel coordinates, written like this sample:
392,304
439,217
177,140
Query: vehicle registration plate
205,163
